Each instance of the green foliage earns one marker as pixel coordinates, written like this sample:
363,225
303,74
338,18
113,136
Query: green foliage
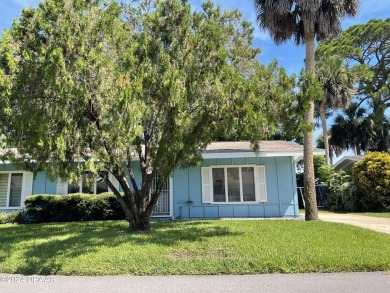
340,192
310,89
286,19
334,151
338,90
318,161
371,176
73,207
325,173
150,82
366,48
378,215
337,82
353,129
12,217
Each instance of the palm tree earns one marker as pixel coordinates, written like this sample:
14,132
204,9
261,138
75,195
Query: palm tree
353,129
304,20
337,83
334,151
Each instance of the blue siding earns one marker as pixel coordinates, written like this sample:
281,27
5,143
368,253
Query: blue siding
187,189
43,185
7,167
281,191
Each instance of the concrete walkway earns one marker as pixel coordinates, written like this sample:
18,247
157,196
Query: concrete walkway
372,223
377,282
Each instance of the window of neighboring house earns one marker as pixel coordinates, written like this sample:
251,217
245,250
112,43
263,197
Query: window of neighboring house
11,185
88,184
233,184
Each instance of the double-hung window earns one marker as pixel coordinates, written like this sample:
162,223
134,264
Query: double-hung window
88,183
14,187
234,184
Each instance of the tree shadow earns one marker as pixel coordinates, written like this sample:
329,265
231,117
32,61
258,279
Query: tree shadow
44,243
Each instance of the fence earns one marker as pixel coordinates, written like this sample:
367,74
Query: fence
320,195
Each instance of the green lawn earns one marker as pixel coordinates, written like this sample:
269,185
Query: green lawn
379,215
191,247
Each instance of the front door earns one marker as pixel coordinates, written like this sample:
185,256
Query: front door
163,207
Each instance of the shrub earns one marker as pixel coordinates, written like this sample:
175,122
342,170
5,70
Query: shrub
12,217
325,174
371,177
73,207
340,193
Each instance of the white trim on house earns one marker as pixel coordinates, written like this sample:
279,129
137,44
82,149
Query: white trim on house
62,186
229,155
346,162
258,179
26,188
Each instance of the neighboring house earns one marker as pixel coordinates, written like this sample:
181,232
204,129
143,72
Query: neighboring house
232,181
346,163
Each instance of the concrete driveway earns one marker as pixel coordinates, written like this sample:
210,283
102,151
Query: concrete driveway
372,223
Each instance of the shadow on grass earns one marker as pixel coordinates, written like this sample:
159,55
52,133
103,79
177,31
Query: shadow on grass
43,247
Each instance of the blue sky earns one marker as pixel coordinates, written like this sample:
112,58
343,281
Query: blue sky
288,54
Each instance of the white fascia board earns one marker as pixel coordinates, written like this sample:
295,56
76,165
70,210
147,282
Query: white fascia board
345,161
254,155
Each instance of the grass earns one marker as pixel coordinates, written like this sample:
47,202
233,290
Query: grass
369,214
379,215
191,247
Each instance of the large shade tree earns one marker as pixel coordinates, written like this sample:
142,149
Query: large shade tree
337,82
92,85
366,49
305,21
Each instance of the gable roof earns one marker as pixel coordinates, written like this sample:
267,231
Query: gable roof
346,163
268,148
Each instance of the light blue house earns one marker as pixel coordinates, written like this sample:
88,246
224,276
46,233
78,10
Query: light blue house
232,181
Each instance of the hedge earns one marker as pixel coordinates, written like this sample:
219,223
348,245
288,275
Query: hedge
72,207
371,177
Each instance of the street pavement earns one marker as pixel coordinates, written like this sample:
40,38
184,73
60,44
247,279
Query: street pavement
377,282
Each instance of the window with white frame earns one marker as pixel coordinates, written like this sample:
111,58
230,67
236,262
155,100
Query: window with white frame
14,187
234,184
88,184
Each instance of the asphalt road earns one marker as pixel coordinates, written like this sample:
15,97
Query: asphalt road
287,283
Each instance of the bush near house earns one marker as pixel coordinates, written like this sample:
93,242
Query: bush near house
340,191
10,218
371,176
72,207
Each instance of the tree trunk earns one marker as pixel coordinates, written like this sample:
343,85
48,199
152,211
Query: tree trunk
142,223
311,212
324,132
